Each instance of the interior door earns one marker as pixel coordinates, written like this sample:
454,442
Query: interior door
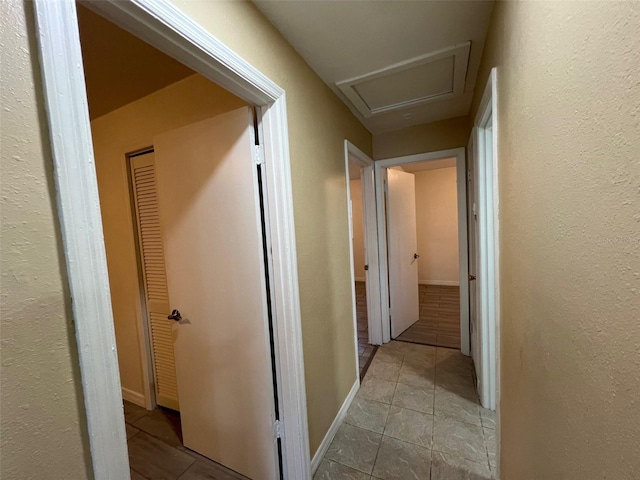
472,229
210,213
145,196
402,248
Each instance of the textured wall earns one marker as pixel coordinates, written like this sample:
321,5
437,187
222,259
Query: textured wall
437,226
43,425
429,137
115,134
318,125
569,150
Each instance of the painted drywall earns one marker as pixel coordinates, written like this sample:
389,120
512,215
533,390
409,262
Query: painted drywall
120,68
125,130
569,177
42,427
437,226
429,137
318,125
358,229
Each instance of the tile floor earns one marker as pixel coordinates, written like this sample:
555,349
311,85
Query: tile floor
439,322
156,451
365,351
415,417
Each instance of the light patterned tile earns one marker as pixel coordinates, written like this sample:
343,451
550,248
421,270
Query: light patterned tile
367,414
384,370
449,467
399,460
458,382
416,398
376,389
459,439
389,354
490,440
488,418
410,426
354,447
417,375
451,405
329,470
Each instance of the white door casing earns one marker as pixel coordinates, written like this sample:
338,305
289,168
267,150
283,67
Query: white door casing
209,207
380,167
472,231
403,244
370,234
488,306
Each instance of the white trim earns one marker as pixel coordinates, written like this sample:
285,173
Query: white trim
460,54
489,251
165,27
81,227
354,313
134,397
370,233
488,247
380,169
333,429
445,283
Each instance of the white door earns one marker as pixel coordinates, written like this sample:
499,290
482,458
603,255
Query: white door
403,245
472,234
209,209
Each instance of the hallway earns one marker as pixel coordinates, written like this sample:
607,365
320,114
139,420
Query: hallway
416,416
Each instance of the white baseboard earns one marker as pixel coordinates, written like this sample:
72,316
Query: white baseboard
328,438
360,279
447,283
134,397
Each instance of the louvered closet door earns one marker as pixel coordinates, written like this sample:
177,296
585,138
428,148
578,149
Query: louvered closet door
143,172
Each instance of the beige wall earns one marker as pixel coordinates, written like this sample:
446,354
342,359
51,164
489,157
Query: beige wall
318,124
358,229
42,427
429,137
437,226
115,134
568,146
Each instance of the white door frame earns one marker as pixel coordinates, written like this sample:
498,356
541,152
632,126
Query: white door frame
353,153
161,24
488,254
459,154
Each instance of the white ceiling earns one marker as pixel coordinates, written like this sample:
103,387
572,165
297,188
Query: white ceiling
344,40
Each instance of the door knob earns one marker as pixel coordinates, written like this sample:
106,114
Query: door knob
175,315
472,277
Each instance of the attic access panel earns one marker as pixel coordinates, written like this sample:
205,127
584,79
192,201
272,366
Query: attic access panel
436,76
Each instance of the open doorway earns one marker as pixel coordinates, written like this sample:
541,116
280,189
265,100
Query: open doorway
359,174
185,228
421,201
218,180
436,212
